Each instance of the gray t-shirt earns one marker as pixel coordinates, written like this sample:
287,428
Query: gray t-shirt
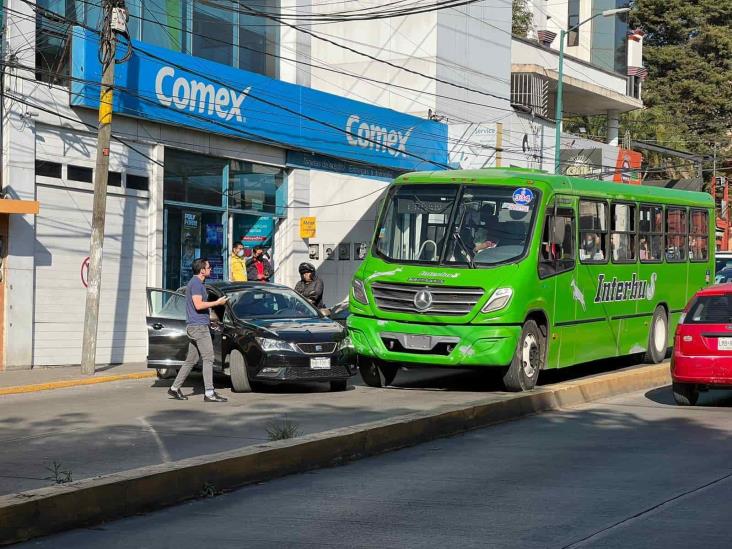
194,317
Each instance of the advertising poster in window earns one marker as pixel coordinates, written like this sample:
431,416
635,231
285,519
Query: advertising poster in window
217,267
361,249
190,242
344,251
253,230
314,251
329,251
214,235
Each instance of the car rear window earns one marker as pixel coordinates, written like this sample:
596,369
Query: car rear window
710,309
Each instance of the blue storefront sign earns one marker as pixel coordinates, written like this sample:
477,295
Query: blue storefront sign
174,88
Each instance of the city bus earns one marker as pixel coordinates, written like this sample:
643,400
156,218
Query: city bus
521,270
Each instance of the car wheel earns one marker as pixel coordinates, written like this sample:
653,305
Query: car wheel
657,337
338,385
166,373
528,360
376,373
238,373
685,394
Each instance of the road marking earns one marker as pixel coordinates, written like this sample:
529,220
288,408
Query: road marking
71,383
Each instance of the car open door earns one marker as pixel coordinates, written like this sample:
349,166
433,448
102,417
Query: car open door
166,328
217,327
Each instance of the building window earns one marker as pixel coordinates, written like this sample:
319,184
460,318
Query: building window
48,169
53,39
79,173
213,31
193,178
573,13
114,179
163,23
137,182
622,238
609,44
253,187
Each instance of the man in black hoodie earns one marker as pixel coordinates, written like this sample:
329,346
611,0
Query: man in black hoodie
310,286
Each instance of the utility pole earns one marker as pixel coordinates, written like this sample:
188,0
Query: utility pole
113,21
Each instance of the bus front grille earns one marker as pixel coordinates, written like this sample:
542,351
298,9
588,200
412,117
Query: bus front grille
445,300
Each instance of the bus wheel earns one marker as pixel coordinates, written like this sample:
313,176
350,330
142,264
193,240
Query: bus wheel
376,373
657,337
685,394
528,360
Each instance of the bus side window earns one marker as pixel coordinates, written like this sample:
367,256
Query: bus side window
557,243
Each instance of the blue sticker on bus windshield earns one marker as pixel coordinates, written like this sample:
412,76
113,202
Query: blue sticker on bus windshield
523,196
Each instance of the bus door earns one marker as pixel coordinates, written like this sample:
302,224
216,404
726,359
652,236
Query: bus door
596,335
557,277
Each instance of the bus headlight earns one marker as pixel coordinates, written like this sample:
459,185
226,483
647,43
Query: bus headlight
359,291
498,300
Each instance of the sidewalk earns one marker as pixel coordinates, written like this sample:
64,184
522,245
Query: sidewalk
58,377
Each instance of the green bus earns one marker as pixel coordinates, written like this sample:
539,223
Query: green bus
519,269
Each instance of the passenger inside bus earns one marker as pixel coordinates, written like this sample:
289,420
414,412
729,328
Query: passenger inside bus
591,249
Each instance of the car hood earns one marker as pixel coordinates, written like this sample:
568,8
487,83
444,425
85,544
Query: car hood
300,329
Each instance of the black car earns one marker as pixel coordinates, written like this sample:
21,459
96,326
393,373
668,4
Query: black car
265,332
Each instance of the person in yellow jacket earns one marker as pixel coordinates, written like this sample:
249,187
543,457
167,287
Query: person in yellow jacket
237,268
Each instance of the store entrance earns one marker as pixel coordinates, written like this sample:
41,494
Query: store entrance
193,233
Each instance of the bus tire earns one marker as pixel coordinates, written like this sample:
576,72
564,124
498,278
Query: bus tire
685,394
238,373
657,337
376,373
528,360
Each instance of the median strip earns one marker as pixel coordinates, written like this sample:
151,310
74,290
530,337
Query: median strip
62,507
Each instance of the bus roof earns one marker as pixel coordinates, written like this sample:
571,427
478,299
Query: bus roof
562,184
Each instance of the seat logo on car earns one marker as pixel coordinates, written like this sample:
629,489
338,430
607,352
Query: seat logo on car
423,300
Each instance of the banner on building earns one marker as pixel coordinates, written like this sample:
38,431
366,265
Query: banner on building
160,85
581,162
627,167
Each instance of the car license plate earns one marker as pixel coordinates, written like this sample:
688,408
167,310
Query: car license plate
320,363
418,342
724,344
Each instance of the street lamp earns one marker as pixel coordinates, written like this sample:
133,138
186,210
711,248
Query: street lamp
562,35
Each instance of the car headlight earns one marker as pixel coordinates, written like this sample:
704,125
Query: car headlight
344,343
498,300
359,291
268,344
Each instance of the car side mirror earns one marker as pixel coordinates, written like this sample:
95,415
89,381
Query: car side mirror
325,312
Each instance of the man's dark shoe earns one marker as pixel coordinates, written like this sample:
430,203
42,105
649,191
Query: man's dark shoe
177,395
215,398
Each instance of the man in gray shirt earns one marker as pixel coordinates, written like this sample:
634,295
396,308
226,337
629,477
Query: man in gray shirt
199,335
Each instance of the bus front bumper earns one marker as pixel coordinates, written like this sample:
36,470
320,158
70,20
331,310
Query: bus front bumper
448,344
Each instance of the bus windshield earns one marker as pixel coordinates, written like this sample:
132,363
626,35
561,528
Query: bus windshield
491,224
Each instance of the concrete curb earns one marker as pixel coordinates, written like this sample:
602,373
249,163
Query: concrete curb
57,508
32,388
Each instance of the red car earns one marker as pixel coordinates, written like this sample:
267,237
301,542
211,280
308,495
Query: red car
702,356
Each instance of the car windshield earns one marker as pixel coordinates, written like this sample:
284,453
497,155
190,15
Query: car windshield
271,302
414,225
710,309
492,225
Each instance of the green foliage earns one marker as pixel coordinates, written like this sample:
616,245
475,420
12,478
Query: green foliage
688,93
521,18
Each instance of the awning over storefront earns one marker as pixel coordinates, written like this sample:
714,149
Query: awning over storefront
9,206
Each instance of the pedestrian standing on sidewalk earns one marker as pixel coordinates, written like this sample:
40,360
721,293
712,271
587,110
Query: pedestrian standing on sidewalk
310,286
238,265
199,335
258,266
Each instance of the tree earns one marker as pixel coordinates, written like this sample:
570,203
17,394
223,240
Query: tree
688,93
521,18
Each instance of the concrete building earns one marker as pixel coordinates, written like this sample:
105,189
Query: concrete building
232,124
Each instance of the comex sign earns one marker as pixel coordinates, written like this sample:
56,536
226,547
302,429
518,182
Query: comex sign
376,137
196,96
159,85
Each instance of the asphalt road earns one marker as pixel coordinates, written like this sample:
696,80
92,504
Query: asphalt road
632,471
98,429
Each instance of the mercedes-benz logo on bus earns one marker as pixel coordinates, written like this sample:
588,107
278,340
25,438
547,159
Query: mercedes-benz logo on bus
423,300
